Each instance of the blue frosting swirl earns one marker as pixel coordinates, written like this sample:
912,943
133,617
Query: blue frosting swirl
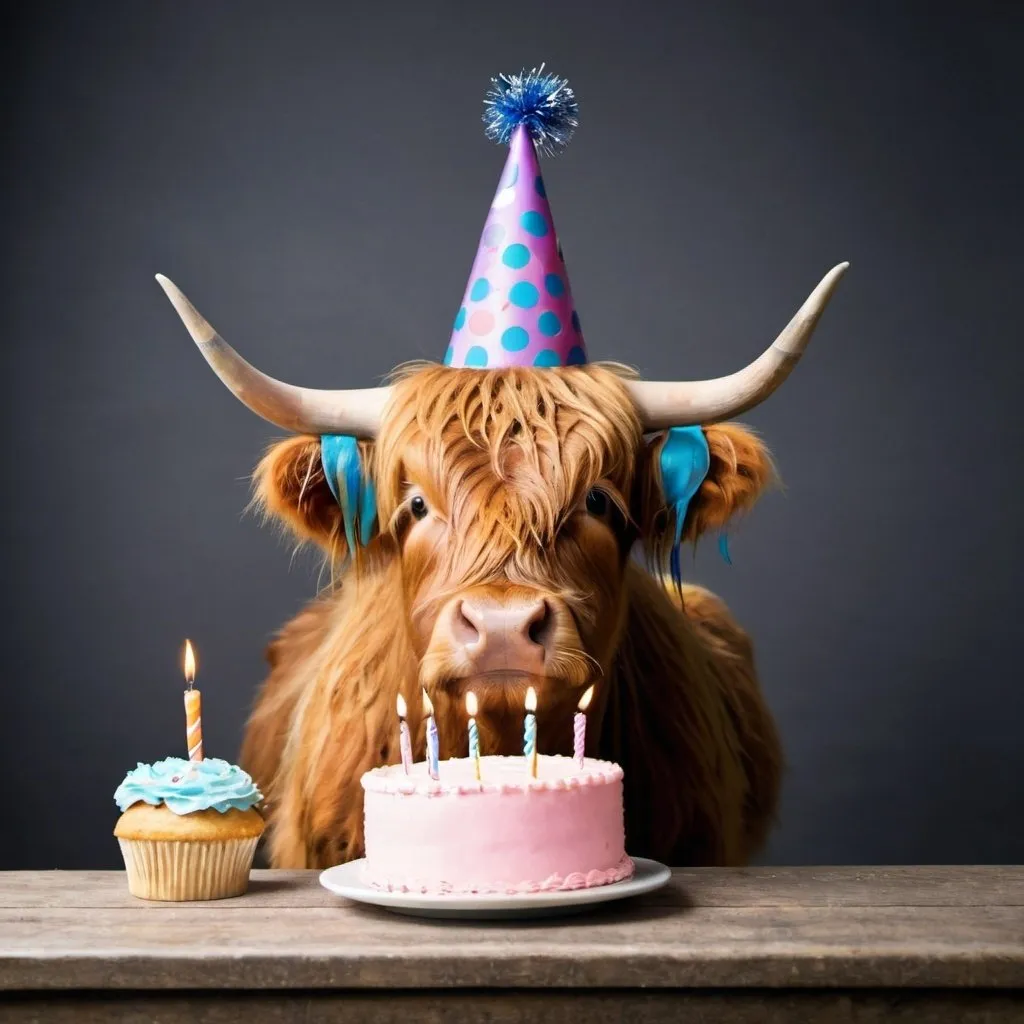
187,786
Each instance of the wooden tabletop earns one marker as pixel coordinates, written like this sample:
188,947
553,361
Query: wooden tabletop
799,928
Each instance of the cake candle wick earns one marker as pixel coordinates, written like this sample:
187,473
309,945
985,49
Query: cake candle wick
193,707
404,740
474,734
432,739
530,731
579,727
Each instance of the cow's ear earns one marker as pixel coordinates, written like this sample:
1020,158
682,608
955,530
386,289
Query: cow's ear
291,487
738,470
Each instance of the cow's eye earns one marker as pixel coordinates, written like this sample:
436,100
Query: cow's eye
601,506
418,507
597,503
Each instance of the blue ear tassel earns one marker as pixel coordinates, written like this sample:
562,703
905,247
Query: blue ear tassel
352,488
685,461
675,566
367,512
723,547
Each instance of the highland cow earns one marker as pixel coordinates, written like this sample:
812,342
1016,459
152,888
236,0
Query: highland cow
508,503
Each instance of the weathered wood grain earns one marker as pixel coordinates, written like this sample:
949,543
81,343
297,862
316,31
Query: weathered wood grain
708,887
322,947
763,929
517,1007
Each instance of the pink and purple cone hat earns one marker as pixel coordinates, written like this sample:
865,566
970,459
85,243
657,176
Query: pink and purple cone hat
518,308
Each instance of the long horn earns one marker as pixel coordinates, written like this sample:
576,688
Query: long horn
304,410
664,404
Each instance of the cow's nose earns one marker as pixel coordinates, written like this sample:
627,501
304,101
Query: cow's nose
509,636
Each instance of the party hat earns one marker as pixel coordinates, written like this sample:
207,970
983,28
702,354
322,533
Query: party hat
518,308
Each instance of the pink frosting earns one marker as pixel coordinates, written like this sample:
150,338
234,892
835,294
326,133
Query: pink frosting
509,833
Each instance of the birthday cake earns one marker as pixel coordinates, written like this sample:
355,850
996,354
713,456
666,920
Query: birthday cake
507,833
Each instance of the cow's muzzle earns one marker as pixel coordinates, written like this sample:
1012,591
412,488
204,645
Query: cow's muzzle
494,632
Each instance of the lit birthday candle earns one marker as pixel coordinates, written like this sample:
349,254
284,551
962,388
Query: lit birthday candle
403,735
474,735
530,731
579,726
432,744
193,707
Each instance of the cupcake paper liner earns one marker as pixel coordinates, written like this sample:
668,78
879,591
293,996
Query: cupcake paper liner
173,870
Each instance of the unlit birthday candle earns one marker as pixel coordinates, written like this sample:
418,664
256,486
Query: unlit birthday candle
404,741
432,742
579,727
474,735
530,731
193,707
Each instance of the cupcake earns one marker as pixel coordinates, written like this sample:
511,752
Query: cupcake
188,829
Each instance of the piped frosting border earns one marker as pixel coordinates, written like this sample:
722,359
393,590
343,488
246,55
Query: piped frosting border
554,883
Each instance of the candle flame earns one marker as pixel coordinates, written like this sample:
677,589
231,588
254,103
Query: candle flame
190,663
471,707
585,699
428,707
531,699
400,704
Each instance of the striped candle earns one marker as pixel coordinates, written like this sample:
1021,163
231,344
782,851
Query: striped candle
193,708
530,731
474,735
579,727
404,739
432,739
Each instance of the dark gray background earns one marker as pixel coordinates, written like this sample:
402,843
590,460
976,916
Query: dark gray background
315,177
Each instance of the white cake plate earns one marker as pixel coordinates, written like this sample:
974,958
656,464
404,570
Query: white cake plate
347,880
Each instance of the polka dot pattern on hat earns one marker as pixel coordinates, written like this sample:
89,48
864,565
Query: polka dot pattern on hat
518,308
515,256
523,294
514,339
534,223
548,324
476,356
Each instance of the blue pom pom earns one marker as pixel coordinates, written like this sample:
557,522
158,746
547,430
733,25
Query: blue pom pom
542,102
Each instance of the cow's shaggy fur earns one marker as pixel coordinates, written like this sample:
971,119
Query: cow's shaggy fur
505,460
